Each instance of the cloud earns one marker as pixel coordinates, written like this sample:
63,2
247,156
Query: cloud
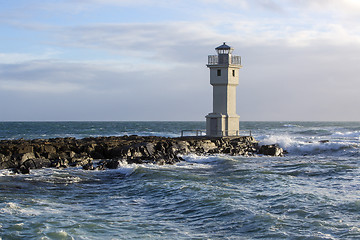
109,77
270,5
278,81
143,41
9,58
344,6
38,86
298,24
187,43
287,83
98,91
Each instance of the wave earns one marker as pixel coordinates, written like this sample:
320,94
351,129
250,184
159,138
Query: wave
296,145
126,169
349,134
13,208
6,172
314,132
291,125
193,158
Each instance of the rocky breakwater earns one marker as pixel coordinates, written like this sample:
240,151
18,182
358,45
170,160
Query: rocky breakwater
107,152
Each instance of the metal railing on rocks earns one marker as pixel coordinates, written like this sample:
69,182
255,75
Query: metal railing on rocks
220,133
231,133
196,131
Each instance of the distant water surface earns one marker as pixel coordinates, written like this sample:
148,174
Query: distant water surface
311,193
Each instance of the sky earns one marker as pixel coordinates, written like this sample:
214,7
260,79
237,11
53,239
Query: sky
145,60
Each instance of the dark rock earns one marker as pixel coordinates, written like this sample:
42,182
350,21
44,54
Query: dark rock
272,150
37,163
25,149
23,170
88,166
149,146
25,156
112,164
64,152
81,161
49,149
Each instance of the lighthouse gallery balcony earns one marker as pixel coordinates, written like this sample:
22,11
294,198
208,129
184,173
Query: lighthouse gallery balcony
214,60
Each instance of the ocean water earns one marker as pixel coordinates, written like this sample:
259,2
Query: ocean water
311,193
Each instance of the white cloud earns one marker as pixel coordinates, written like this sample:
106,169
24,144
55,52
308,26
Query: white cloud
9,58
335,6
39,87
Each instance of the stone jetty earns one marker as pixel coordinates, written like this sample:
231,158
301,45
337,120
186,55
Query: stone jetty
106,152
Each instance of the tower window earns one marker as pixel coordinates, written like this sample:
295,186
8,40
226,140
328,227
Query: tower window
219,72
233,71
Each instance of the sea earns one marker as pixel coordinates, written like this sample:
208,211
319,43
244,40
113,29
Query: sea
313,192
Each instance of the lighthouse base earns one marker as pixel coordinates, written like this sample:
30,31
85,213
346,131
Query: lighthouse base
221,125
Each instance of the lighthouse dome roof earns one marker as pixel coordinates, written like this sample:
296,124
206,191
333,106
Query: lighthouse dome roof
223,47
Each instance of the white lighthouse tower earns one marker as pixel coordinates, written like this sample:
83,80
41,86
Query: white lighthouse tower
224,77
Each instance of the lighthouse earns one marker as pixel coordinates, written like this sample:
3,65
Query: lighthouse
224,77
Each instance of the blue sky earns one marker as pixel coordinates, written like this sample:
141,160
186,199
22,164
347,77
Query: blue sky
145,60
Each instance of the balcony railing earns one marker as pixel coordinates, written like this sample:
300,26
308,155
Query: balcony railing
214,60
236,60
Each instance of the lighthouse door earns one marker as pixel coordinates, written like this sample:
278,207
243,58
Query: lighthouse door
214,126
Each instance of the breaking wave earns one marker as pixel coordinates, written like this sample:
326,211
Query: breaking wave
298,145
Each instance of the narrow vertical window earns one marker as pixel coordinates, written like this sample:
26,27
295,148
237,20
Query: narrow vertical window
219,72
233,73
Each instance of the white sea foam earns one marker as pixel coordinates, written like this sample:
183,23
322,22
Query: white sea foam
193,158
349,134
126,169
291,125
6,172
192,161
15,209
294,144
9,207
18,226
323,235
59,235
53,175
283,141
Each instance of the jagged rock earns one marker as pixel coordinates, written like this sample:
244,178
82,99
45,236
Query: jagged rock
112,164
272,150
75,162
37,163
49,149
22,169
64,152
25,156
88,166
208,145
23,149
